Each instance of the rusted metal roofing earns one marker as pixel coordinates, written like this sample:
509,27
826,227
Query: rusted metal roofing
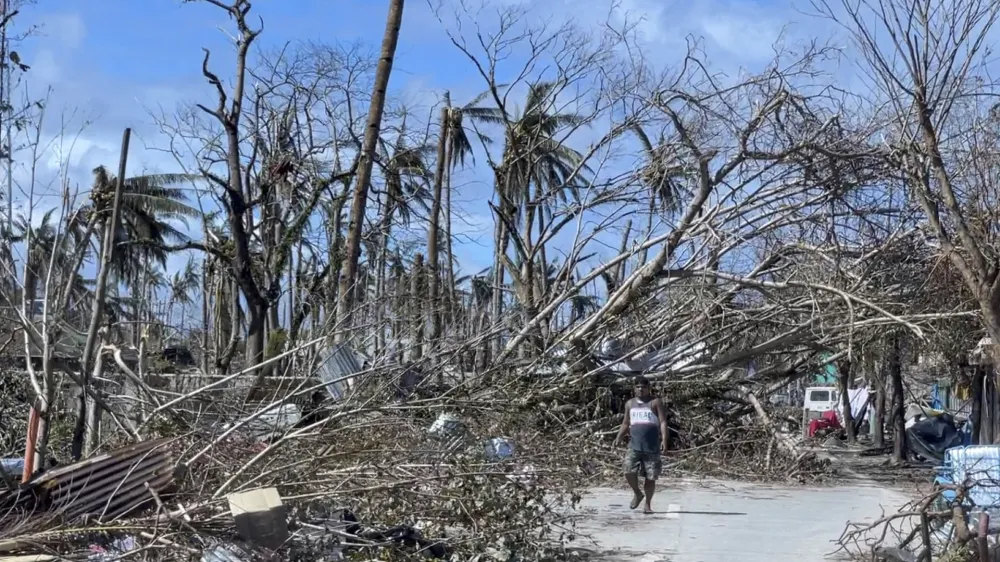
106,486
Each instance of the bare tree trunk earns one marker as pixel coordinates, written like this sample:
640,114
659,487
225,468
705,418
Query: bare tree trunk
44,407
273,318
417,318
898,409
433,230
229,112
976,417
294,264
399,307
233,314
380,308
542,285
100,294
846,374
205,310
336,239
500,247
381,263
878,424
482,357
452,300
644,254
349,277
93,431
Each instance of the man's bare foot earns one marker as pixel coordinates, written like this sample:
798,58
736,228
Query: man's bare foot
647,509
636,500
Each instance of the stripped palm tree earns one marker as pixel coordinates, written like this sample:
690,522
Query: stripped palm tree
661,172
581,306
407,178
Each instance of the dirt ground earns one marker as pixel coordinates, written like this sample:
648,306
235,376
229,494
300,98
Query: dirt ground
715,520
704,519
851,463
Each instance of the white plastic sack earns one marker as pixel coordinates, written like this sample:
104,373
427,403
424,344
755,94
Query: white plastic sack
499,448
447,424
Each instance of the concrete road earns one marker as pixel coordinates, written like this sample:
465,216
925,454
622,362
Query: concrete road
713,521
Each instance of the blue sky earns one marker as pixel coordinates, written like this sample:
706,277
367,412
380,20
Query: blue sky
109,61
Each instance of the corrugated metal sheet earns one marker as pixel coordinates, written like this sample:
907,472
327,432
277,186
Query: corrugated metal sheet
338,365
107,485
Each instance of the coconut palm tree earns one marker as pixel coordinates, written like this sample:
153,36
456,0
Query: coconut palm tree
182,285
453,142
44,240
345,305
458,146
532,154
533,157
149,206
660,175
407,188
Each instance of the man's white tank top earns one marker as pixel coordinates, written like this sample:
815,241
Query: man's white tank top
644,427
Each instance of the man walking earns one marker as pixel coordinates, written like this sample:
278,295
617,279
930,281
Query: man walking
646,425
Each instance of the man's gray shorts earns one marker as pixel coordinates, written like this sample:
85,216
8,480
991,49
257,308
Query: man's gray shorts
646,465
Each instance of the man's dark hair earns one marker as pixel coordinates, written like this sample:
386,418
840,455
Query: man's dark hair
642,381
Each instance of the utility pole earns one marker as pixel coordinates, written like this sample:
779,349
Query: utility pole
7,146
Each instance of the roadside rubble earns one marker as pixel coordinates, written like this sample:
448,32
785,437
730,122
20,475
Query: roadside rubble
359,471
377,462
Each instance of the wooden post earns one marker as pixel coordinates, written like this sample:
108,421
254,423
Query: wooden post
898,408
925,534
982,537
976,390
29,447
100,294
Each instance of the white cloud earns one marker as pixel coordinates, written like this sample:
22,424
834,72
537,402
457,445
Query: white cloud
83,153
44,68
66,28
742,36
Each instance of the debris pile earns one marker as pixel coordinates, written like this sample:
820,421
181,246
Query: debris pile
378,462
365,473
713,430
